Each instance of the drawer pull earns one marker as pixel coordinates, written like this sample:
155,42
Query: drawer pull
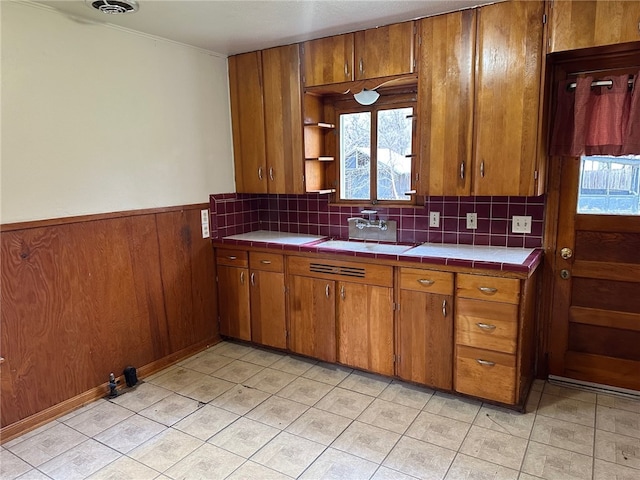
232,257
485,326
265,262
424,281
488,290
486,363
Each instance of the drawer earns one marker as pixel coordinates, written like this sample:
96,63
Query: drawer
493,289
486,374
488,325
355,272
233,258
269,262
428,281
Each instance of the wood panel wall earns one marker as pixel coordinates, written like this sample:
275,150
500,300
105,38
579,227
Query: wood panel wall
84,297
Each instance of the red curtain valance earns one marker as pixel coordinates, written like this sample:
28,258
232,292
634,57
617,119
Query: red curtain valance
597,120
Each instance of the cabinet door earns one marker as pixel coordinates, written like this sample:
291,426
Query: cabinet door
328,60
425,340
592,24
283,119
268,326
234,307
384,51
365,327
445,99
507,97
247,120
312,317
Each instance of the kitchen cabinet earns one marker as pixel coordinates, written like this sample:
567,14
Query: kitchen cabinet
312,320
373,53
507,99
233,293
425,327
267,294
494,92
342,311
494,337
583,24
266,115
445,102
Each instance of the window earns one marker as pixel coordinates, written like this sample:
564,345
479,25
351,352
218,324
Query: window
609,185
382,173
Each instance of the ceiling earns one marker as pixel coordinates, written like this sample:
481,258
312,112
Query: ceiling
228,27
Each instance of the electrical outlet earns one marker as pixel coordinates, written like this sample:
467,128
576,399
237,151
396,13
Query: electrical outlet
434,219
521,224
472,221
204,222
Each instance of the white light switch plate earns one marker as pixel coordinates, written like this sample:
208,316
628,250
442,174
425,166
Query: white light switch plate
472,221
434,219
521,224
204,217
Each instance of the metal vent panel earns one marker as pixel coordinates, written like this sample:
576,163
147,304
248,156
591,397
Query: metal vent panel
357,272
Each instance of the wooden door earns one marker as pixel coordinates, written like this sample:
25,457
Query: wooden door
268,325
283,119
595,321
425,339
384,51
365,327
247,121
508,69
445,99
328,60
312,317
234,307
583,24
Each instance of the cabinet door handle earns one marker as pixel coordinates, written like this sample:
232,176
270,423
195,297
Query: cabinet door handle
260,173
361,66
346,69
343,293
424,281
253,279
444,308
232,257
462,170
241,278
271,173
486,363
326,290
265,262
488,290
485,326
482,169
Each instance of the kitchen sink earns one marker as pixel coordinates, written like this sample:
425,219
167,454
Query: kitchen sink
364,247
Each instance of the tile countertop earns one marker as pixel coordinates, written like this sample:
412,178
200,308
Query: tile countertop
511,259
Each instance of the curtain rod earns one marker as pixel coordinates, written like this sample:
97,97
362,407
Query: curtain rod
599,83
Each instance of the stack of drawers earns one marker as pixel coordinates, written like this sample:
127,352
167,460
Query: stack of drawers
486,332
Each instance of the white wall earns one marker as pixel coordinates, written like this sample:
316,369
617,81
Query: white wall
96,119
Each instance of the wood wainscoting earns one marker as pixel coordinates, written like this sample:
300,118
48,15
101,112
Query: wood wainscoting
85,296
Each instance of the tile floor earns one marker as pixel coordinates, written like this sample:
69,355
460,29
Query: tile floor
239,412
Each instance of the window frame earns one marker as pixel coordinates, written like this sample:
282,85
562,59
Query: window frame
387,101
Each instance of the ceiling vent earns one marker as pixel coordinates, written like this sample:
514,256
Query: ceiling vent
114,7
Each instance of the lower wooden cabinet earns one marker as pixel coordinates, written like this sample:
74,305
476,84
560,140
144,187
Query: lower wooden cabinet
267,292
312,318
234,306
425,327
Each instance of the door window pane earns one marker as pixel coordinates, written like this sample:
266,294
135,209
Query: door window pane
609,185
355,156
394,144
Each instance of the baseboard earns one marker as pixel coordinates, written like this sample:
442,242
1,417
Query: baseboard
32,422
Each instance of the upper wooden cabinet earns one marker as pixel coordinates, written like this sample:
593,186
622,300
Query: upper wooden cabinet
507,100
266,116
445,101
377,52
585,24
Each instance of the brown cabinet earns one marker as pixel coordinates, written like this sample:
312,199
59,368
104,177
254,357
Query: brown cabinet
266,115
488,324
583,24
495,93
267,293
425,327
233,294
373,53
